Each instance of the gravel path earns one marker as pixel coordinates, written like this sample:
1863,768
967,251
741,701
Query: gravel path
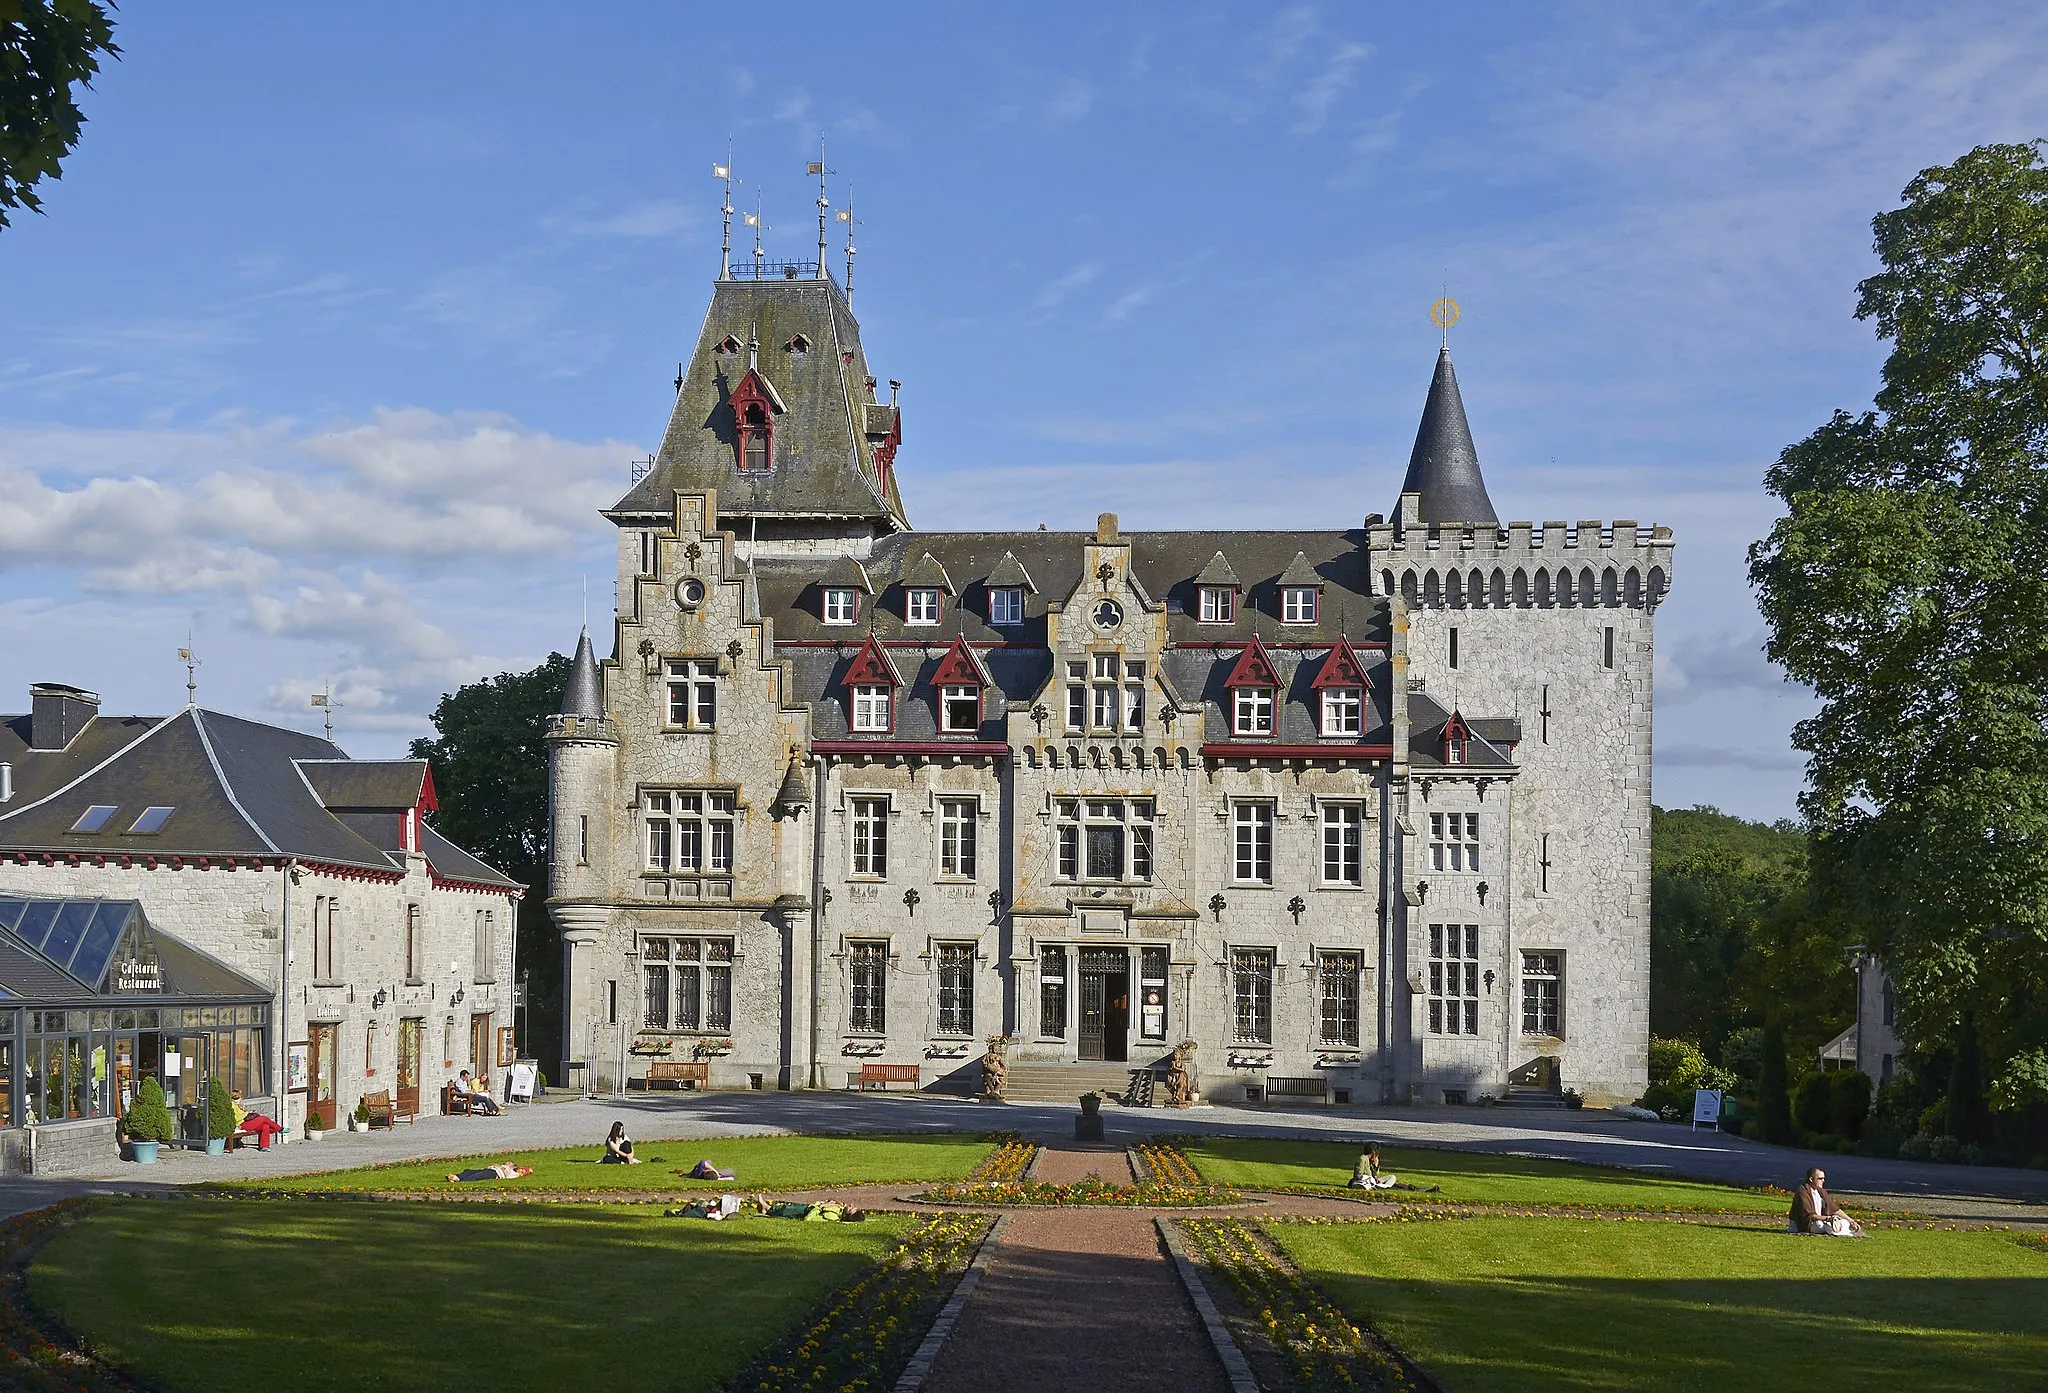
1070,1163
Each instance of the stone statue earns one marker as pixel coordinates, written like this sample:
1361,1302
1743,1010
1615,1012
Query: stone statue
1180,1076
994,1071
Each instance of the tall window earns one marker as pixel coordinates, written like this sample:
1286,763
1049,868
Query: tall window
1105,839
324,959
956,989
1077,696
1454,841
1052,990
1252,710
1343,844
689,831
867,972
841,604
1006,605
1337,998
1134,696
754,450
415,949
1253,824
1343,711
1454,979
957,821
583,839
486,963
1298,605
1251,975
871,836
1105,707
1543,994
1453,647
692,694
921,606
1152,992
1218,604
960,709
1607,650
688,983
871,707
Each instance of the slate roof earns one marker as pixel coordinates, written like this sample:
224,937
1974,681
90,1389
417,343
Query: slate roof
38,964
1491,748
237,788
1444,466
582,697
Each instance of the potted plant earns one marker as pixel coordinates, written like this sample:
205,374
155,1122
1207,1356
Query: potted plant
1573,1099
359,1120
314,1129
1091,1104
148,1123
220,1116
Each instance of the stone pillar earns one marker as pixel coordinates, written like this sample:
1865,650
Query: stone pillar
582,927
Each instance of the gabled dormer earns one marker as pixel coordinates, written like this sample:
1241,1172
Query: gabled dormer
755,405
1457,740
1216,592
1340,685
1254,687
871,685
927,590
961,684
1300,592
1007,585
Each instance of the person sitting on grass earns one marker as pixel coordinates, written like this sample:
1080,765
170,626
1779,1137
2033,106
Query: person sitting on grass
1366,1175
479,1098
1814,1210
506,1171
618,1148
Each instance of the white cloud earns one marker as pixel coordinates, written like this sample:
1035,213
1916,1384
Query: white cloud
1065,284
652,218
1320,92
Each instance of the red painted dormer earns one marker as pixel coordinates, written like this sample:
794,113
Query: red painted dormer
1254,684
872,684
1457,740
1341,668
428,802
755,406
1254,667
960,667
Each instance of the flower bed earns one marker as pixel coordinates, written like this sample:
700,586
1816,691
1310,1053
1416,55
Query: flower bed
1163,1162
1008,1162
30,1358
1322,1349
1152,1194
868,1330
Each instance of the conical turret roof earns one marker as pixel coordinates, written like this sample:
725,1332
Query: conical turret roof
581,697
1444,467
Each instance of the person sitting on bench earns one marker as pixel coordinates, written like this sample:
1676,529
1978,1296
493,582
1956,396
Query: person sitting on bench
1366,1175
618,1148
479,1100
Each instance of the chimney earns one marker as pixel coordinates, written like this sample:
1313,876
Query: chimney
6,783
1105,527
57,713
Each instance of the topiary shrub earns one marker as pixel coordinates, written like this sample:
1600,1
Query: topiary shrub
148,1119
220,1110
1848,1102
1812,1105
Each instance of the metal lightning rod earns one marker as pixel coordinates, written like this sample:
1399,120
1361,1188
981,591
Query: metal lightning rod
846,216
724,171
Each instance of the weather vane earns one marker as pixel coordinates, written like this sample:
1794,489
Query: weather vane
724,171
817,167
754,221
846,216
189,656
1443,314
327,706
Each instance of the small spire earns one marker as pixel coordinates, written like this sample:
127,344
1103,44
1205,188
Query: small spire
189,656
754,345
1444,466
581,697
724,171
817,167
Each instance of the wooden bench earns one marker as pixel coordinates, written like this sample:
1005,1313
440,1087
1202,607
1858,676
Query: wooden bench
385,1113
454,1100
674,1073
1315,1087
882,1075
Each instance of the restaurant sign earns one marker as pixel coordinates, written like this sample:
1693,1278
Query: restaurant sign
136,975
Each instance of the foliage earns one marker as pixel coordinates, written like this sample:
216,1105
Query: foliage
1907,585
622,1275
1499,1304
362,1111
1848,1101
1813,1104
491,771
47,47
1091,1191
760,1163
1324,1350
1677,1070
220,1109
1773,1104
1969,1119
148,1119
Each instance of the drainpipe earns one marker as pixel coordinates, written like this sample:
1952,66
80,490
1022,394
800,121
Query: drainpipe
280,1024
512,978
820,778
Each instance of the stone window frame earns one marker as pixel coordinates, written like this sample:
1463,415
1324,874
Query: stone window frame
1543,967
867,986
1335,968
714,808
1052,988
950,958
1256,850
860,806
1449,852
1326,823
667,958
696,680
1137,817
1453,985
1253,968
959,818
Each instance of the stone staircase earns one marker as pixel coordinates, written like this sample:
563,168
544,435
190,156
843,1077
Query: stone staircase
1065,1083
1534,1098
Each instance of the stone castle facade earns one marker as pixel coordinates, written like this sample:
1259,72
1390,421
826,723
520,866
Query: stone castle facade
1363,813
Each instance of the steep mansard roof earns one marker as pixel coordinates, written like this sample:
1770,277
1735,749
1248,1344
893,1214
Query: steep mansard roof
809,352
1444,466
236,787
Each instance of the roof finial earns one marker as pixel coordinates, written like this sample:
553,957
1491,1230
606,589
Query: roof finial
189,656
817,167
1444,313
846,216
754,345
327,705
724,171
754,221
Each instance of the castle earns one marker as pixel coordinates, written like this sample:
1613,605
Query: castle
1363,813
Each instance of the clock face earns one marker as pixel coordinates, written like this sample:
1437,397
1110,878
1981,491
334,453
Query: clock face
1107,614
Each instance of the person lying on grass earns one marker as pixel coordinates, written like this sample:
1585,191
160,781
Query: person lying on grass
1814,1210
618,1148
506,1171
1366,1174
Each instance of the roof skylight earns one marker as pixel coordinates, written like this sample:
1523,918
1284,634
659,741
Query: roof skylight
151,821
95,818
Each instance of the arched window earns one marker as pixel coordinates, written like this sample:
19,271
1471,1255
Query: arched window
1656,585
1431,595
1632,588
754,433
1498,595
1521,590
1543,588
1454,590
1610,595
1588,596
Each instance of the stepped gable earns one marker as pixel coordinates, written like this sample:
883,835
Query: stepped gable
799,339
1444,466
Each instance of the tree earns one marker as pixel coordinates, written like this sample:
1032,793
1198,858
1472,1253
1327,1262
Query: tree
1774,1098
491,770
46,48
1907,584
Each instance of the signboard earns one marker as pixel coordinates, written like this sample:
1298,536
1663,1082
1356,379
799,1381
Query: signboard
136,975
296,1057
1706,1108
505,1050
525,1078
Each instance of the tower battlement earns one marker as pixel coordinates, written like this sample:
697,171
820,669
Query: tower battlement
1523,563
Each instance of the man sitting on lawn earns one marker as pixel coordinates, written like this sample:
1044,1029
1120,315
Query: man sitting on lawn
480,1099
1814,1210
1366,1175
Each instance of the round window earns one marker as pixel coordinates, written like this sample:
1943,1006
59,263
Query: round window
1107,614
689,592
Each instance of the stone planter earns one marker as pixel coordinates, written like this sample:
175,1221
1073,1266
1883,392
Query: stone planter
315,1133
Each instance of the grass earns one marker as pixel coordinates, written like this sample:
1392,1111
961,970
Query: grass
757,1163
1492,1304
297,1294
1467,1177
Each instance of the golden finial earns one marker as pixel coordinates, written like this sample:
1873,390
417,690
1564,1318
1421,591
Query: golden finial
1443,314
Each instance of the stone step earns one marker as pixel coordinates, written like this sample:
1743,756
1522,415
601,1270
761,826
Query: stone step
1533,1098
1065,1083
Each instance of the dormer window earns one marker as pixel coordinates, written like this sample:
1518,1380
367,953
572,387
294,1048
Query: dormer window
842,604
1340,683
1218,604
1252,711
873,708
727,345
1254,687
959,709
1457,740
1343,711
1298,604
799,344
1006,605
921,606
757,439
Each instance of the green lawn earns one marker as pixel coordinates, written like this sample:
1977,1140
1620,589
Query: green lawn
1519,1305
295,1294
1467,1177
757,1163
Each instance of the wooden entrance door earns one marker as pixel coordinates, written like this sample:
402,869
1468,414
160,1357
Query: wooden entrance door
410,1029
1105,1003
320,1083
480,1057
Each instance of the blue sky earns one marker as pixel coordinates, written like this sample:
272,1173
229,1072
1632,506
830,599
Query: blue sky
343,322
